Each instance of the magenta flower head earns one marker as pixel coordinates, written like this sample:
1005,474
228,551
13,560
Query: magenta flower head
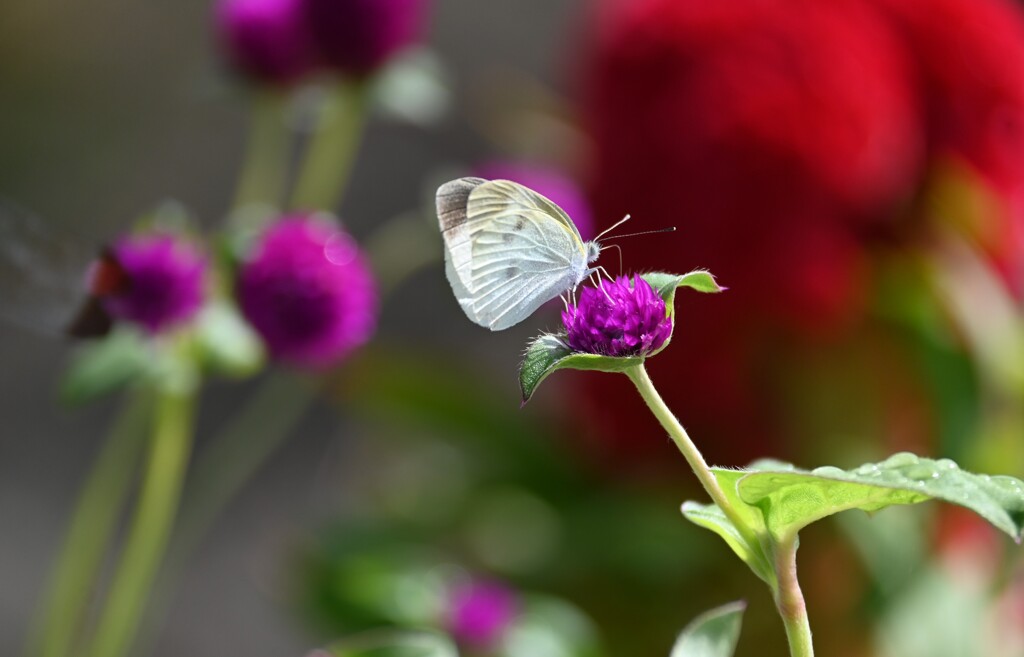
356,37
619,318
307,290
163,281
266,40
480,612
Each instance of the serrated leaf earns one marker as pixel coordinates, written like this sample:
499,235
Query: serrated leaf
392,644
789,500
549,353
712,634
103,367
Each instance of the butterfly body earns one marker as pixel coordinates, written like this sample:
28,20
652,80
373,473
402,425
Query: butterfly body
508,250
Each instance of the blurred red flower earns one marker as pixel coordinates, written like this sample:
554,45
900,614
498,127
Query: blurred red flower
969,59
783,138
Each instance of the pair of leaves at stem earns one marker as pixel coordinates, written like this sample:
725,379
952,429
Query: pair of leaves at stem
549,353
776,500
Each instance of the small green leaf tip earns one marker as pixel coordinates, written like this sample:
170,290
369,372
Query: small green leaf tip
552,352
712,634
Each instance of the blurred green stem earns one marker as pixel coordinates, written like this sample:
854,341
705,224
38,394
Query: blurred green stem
332,148
789,600
100,502
239,450
262,178
154,517
400,248
234,455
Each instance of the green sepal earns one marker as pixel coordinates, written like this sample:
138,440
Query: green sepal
712,634
225,342
106,366
550,352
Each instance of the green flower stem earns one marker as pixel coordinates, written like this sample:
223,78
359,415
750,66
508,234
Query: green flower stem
400,248
788,597
638,375
332,148
239,450
234,455
262,178
100,502
789,600
154,517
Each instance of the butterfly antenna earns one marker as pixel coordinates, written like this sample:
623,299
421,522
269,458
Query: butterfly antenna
611,228
619,249
670,229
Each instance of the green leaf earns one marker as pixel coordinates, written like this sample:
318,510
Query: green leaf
712,634
709,516
226,343
103,367
549,353
388,643
791,499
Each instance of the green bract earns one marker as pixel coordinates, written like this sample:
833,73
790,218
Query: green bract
550,352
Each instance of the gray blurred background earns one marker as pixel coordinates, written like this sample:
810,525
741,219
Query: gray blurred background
109,107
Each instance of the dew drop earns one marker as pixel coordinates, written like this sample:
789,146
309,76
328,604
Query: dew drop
900,459
922,472
828,471
946,464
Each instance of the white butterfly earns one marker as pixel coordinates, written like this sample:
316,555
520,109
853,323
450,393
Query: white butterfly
508,250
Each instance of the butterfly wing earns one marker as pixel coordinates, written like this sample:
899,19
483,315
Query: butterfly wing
511,250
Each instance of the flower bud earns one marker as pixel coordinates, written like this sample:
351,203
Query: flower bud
163,281
266,40
480,613
356,37
308,292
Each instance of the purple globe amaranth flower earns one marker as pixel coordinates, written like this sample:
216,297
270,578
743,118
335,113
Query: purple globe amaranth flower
356,37
308,291
163,281
549,182
618,319
480,612
266,40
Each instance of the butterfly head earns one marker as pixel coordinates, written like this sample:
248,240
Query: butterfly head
593,250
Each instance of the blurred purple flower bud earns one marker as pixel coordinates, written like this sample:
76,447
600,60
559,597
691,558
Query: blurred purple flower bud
480,612
618,319
308,291
266,40
549,182
356,37
164,281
